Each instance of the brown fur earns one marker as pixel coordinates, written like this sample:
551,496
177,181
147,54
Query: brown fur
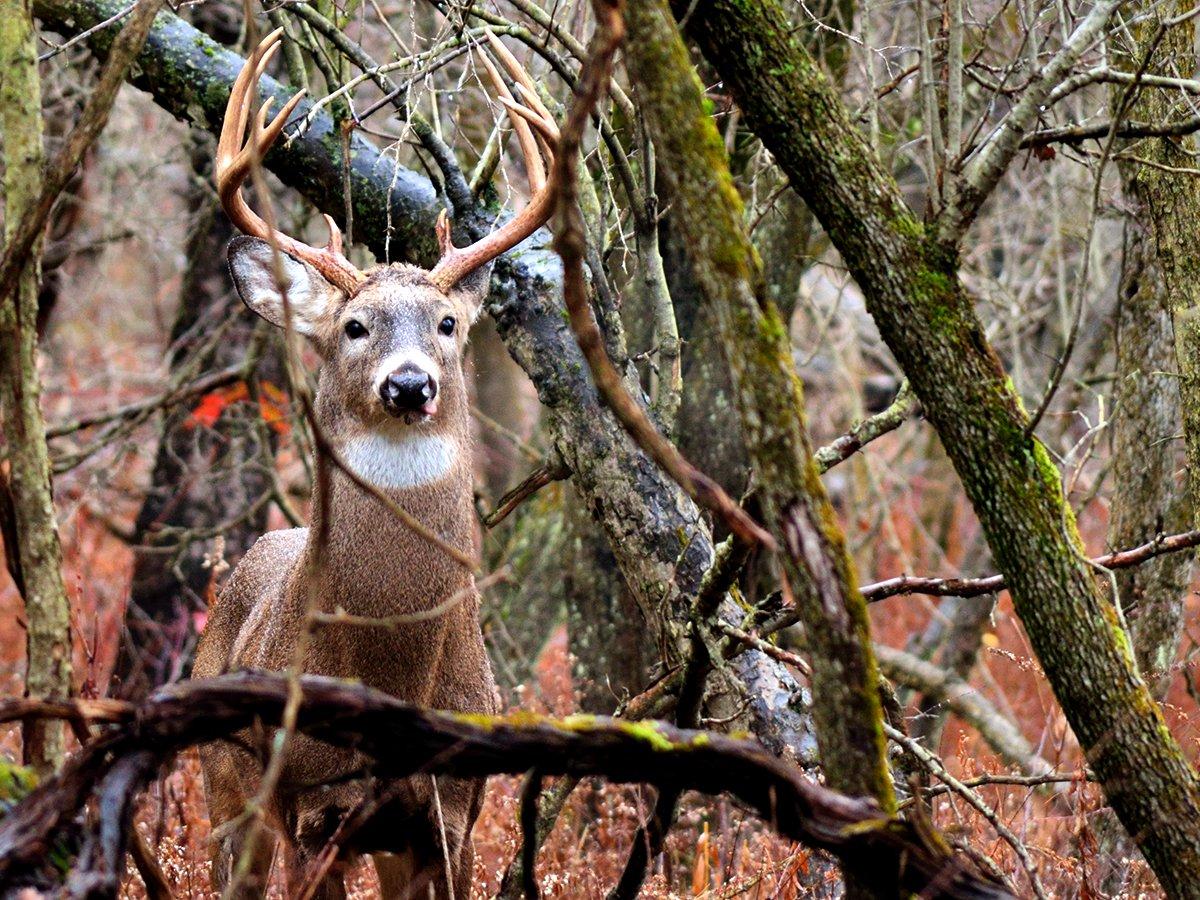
373,566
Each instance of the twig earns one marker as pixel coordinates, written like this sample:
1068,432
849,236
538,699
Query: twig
1002,780
518,442
84,35
457,190
530,792
552,802
341,617
777,653
976,587
991,584
547,473
1116,76
983,171
934,765
202,385
903,406
965,701
1077,134
157,887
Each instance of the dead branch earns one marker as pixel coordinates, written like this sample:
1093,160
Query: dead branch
403,739
888,420
550,471
1077,134
975,587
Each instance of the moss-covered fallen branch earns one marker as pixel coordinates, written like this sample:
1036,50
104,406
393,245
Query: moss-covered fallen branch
402,739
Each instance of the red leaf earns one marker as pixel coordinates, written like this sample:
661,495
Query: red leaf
211,405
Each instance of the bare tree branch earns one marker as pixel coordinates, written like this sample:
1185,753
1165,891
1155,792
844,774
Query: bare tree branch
984,169
403,739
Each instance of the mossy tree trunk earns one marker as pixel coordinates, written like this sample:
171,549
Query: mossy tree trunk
928,320
1147,497
768,395
38,552
1162,274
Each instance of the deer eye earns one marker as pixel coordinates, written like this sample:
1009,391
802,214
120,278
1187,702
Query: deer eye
446,326
355,329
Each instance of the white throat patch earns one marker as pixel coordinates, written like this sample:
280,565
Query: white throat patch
405,461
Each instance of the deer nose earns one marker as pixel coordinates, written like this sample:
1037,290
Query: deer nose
409,390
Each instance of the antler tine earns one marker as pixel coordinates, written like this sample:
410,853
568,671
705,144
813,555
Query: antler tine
529,147
241,99
236,156
458,262
234,170
524,83
547,130
543,122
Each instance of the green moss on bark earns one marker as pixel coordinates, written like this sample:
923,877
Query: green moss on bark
47,611
769,398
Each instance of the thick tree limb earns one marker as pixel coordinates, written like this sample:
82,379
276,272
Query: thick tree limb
403,739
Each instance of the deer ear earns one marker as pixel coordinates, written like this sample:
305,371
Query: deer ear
309,295
472,290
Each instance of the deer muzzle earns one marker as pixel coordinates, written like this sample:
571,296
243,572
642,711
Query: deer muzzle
409,393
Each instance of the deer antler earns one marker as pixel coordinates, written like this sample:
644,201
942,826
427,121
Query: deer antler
236,156
536,141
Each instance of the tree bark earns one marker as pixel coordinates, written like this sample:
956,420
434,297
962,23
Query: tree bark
612,648
1155,278
37,550
1161,275
770,400
928,320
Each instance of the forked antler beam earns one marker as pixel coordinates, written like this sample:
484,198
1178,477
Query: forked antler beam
236,156
537,134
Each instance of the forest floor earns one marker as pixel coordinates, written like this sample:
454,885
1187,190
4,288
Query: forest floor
715,850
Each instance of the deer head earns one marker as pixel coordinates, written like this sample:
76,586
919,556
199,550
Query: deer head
392,338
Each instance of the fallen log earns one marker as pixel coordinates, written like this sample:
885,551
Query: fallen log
135,740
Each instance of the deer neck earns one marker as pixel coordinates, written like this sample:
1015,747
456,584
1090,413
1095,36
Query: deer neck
375,564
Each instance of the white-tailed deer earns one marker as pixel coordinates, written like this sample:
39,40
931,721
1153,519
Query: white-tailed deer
391,400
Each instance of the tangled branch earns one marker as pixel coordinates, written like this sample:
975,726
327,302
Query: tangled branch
403,739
